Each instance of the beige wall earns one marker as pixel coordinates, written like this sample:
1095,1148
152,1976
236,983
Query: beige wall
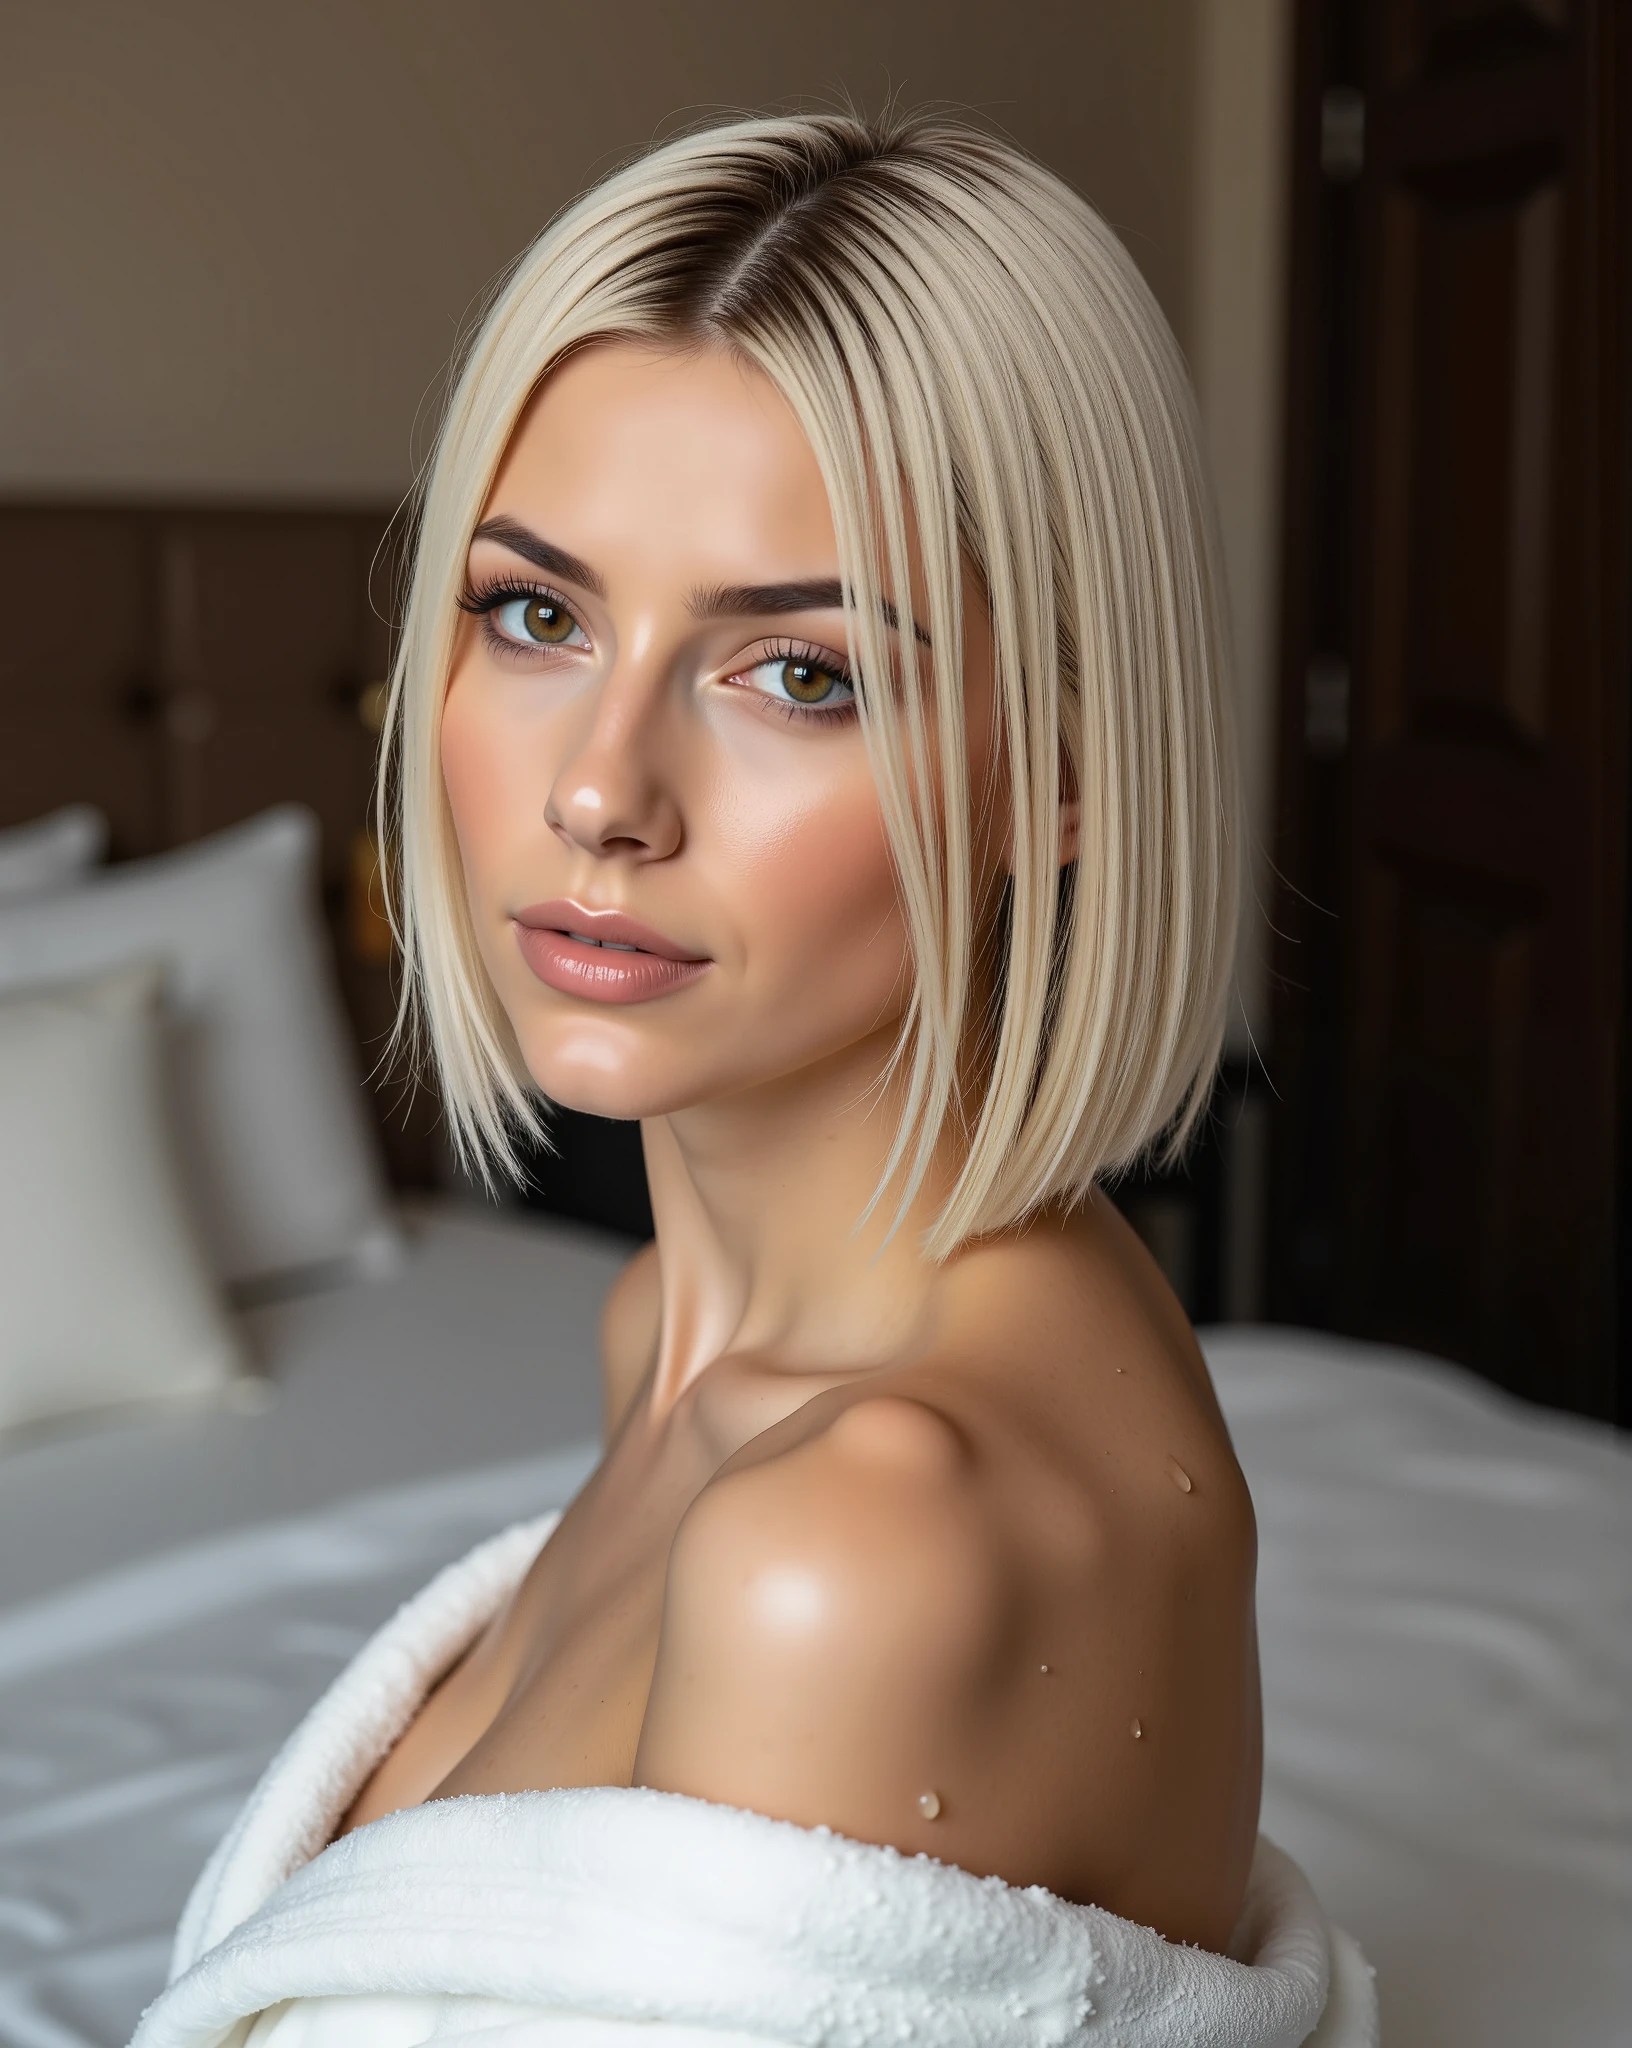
1236,314
238,240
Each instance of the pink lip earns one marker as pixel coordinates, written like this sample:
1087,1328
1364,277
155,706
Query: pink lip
565,963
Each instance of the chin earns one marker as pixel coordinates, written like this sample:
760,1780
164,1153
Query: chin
606,1098
598,1079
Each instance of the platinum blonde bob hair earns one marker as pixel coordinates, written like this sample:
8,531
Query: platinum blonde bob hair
976,363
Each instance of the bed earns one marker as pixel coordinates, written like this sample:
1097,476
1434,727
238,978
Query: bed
1445,1598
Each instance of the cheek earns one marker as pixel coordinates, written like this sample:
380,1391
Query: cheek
818,901
467,763
491,772
491,783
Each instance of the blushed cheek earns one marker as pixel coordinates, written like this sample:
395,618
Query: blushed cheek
827,908
488,783
464,773
482,762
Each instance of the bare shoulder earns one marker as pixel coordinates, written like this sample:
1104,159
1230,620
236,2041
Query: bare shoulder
1085,1346
869,1517
629,1318
996,1606
830,1606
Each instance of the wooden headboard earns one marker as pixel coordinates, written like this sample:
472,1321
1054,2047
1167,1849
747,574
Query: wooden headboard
183,667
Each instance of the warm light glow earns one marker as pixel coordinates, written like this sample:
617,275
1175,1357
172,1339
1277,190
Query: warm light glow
787,1597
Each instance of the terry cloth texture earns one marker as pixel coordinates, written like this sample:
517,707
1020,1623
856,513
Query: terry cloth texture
602,1915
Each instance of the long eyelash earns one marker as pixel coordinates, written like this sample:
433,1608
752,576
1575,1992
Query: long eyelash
818,657
487,597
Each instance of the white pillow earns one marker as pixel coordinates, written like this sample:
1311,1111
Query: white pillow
51,851
280,1161
106,1295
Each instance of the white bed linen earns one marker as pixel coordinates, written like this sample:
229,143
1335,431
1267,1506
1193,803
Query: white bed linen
1445,1614
482,1348
1445,1602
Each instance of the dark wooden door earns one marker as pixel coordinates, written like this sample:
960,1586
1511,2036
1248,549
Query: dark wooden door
1454,767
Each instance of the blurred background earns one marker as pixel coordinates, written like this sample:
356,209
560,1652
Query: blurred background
239,246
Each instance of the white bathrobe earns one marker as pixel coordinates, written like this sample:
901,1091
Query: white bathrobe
586,1918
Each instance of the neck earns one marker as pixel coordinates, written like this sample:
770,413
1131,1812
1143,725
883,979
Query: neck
757,1201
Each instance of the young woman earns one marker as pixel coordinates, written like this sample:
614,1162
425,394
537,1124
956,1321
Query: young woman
810,737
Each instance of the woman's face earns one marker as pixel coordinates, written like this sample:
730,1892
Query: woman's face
650,741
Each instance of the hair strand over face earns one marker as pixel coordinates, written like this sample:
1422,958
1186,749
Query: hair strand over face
983,376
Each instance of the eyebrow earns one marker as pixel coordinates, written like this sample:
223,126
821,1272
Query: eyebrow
761,600
721,601
543,554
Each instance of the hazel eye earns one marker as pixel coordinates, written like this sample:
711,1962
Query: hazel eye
539,621
803,680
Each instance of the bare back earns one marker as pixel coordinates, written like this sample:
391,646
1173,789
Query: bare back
992,1601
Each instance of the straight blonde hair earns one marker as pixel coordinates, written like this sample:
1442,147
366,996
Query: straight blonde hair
977,362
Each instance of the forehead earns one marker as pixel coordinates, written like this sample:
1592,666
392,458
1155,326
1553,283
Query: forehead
628,452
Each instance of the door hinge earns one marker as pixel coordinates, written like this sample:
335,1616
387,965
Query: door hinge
1326,706
1342,133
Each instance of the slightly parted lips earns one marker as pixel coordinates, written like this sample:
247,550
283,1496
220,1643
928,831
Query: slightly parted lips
609,928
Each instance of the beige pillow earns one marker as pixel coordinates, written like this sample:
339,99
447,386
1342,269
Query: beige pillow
51,852
271,1120
106,1293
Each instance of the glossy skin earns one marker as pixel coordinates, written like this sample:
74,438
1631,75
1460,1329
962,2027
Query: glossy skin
866,1529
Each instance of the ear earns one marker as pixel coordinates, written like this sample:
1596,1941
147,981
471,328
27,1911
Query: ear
1070,828
1071,824
1070,833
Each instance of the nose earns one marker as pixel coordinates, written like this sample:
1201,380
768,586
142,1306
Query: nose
610,795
